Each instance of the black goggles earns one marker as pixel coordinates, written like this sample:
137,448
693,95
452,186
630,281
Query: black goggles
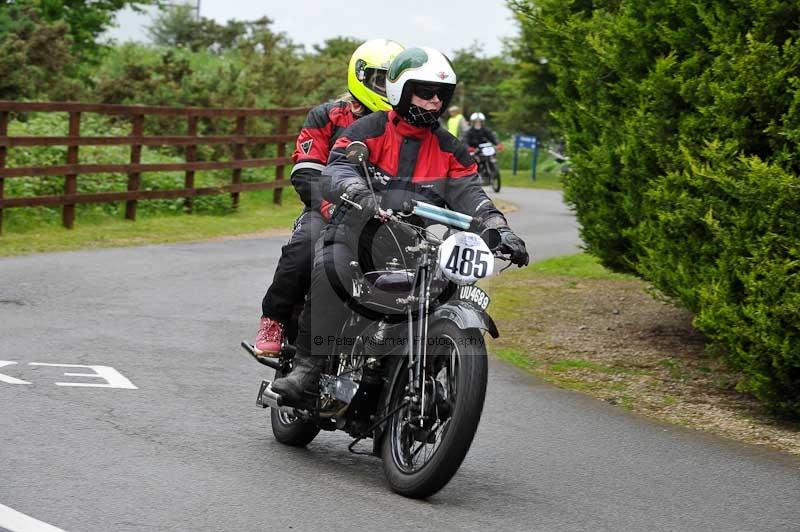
427,92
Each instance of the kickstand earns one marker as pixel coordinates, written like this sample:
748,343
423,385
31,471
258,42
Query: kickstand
368,432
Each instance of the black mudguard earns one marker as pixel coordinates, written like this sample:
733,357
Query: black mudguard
464,316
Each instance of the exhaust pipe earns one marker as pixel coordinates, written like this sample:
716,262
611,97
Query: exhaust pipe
268,398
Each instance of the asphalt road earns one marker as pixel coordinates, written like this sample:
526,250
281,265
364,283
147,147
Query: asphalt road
187,449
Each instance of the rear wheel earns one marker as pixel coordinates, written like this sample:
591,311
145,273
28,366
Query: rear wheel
424,445
290,429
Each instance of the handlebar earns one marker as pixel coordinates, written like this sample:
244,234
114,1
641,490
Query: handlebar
456,219
445,216
439,214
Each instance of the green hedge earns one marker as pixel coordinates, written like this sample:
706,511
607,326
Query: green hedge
682,120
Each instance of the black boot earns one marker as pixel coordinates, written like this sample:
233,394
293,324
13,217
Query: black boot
304,376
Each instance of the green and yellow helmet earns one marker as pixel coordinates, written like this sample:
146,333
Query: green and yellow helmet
366,74
419,65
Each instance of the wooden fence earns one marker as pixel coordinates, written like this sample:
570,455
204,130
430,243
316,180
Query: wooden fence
137,139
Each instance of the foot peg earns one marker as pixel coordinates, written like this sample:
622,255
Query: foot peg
273,363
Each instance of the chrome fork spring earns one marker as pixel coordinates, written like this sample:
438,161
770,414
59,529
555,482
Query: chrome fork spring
421,349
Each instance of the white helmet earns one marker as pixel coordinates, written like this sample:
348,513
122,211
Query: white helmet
477,116
419,65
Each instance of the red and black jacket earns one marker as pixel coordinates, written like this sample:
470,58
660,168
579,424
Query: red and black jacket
324,124
408,161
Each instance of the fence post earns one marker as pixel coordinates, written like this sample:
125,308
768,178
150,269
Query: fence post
191,156
3,133
238,153
71,180
134,178
283,128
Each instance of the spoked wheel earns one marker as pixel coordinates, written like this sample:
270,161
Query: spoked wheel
426,442
290,429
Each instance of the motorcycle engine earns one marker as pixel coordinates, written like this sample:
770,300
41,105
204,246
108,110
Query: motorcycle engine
336,392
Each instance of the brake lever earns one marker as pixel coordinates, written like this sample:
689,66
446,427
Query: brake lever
505,257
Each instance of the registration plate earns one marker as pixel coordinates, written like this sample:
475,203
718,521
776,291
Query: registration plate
474,295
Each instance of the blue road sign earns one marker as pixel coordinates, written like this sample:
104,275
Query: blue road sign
528,142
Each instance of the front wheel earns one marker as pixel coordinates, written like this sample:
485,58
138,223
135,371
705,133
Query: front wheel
483,173
494,178
290,429
426,442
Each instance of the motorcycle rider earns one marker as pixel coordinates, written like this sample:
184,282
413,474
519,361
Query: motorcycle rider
477,134
411,154
366,83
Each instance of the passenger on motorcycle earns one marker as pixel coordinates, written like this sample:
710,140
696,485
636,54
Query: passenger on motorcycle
366,83
477,134
411,157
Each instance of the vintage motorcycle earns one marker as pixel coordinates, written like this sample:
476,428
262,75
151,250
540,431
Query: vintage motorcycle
485,156
410,371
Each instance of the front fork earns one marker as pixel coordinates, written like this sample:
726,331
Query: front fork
417,364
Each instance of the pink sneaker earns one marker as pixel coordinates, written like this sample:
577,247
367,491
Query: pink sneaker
269,338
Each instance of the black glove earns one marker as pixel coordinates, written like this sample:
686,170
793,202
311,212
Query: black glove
361,194
514,246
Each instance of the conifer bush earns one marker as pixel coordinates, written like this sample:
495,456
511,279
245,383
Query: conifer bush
682,120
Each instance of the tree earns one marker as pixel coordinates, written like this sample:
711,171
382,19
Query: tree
478,80
339,48
529,102
86,19
35,56
177,26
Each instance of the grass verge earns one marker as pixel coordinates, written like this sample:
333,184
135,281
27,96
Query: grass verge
257,215
548,171
570,322
544,179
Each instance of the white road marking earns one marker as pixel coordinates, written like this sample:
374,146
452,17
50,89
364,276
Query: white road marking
15,521
6,378
113,378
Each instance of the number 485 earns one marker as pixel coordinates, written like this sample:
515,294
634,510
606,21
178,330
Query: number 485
468,262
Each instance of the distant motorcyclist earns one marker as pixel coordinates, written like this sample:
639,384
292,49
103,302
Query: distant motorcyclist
477,134
411,155
366,83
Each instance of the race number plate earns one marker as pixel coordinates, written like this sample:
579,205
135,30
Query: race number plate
474,295
464,258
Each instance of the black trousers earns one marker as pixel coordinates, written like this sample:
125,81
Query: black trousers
330,301
292,278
